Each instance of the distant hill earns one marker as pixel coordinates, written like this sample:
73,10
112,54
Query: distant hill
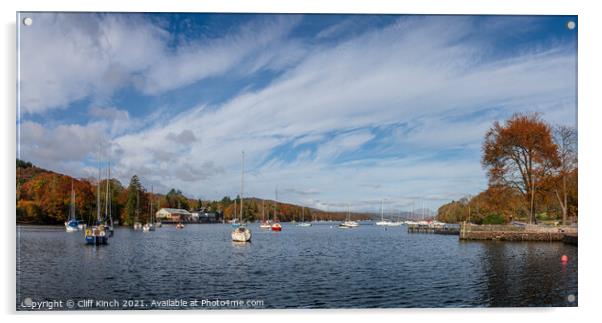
43,197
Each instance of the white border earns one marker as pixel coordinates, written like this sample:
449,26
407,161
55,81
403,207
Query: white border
589,27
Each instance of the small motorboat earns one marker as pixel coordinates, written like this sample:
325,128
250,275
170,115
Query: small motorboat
304,224
137,226
265,225
179,226
276,227
148,227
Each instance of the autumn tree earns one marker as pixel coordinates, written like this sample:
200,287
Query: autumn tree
518,153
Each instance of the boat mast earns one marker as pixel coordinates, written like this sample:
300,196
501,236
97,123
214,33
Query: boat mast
275,201
98,189
382,215
242,184
72,210
109,196
303,214
150,201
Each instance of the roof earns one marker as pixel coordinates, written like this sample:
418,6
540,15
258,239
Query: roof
177,211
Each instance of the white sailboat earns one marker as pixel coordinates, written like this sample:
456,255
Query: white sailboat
303,223
241,233
347,224
264,224
72,225
108,214
382,221
149,226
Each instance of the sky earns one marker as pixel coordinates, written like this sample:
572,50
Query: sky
330,110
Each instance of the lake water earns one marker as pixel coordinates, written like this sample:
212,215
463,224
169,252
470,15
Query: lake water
314,267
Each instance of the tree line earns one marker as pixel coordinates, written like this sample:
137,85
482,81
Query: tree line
532,175
44,197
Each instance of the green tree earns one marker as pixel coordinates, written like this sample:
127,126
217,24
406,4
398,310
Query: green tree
134,191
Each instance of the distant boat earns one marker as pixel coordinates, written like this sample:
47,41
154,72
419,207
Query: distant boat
72,225
179,226
264,224
98,234
241,233
348,224
275,226
108,204
382,221
303,223
149,226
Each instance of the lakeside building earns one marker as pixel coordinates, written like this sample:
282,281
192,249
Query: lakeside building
173,215
204,216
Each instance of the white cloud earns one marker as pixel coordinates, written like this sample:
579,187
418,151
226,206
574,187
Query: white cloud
418,72
66,57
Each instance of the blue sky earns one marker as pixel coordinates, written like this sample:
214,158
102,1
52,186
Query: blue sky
330,109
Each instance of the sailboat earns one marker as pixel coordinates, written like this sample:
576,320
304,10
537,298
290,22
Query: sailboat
149,226
264,224
98,234
241,233
347,224
382,221
303,223
71,225
158,223
108,203
276,226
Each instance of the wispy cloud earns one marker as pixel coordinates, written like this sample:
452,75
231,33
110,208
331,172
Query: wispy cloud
316,126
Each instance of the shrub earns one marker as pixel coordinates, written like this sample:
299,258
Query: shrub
494,218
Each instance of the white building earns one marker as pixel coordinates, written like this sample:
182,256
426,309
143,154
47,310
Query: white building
173,214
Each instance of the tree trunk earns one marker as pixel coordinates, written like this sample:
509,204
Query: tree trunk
531,213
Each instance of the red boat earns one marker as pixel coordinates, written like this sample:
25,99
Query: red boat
276,227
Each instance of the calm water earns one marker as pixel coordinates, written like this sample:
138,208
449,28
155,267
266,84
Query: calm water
316,267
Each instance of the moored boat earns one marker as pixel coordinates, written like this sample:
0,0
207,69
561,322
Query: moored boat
98,234
347,224
241,233
72,225
303,223
276,227
179,226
